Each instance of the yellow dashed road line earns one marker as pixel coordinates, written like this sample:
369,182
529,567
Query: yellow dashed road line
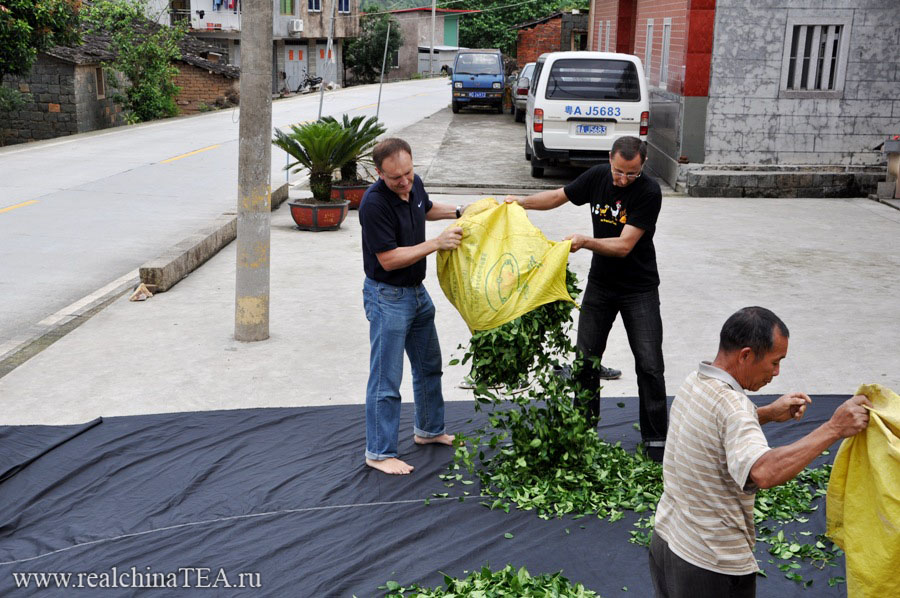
18,205
205,149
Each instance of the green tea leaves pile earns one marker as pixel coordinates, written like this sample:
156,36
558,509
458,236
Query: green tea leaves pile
505,583
538,451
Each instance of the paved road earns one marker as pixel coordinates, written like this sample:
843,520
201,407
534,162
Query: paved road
79,212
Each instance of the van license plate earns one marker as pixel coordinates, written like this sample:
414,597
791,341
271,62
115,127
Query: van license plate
590,130
477,94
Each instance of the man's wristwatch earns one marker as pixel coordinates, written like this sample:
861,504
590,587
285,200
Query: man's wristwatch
459,211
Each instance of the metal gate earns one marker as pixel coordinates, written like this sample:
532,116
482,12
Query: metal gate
294,64
325,68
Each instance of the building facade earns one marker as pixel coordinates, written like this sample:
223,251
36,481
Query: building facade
783,85
300,31
414,55
69,90
559,32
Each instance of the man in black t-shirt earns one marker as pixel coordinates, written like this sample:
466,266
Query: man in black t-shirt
623,277
400,312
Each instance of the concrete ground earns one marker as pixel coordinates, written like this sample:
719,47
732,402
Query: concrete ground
830,268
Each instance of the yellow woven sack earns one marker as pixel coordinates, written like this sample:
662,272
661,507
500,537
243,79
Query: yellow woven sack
863,501
503,268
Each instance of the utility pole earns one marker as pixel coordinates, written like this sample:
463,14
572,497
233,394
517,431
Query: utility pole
328,48
254,209
387,38
431,55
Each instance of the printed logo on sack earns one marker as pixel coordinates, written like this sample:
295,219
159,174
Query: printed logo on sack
502,281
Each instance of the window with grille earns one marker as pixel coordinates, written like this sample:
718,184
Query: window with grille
314,5
344,6
287,7
815,57
648,50
664,66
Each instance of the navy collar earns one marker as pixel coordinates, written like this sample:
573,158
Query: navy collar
710,371
396,199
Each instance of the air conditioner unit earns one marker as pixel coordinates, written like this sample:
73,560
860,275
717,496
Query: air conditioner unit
295,26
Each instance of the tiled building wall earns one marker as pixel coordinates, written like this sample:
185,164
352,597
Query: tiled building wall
603,12
752,120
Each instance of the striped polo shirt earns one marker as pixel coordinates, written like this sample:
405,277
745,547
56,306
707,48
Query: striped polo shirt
706,510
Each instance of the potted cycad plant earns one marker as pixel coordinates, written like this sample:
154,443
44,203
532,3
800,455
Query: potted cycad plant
321,148
365,133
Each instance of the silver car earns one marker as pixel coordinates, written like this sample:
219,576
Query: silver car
520,91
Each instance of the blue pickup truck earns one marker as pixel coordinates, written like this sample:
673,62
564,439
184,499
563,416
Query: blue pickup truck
477,79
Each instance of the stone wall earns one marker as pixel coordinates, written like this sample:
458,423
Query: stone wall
200,87
751,120
94,112
51,111
63,101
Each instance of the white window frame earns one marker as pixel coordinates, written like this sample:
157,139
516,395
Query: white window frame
346,3
648,49
599,36
313,5
607,36
666,40
818,24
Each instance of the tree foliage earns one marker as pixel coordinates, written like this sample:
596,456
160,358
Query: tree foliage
144,55
493,27
364,54
28,27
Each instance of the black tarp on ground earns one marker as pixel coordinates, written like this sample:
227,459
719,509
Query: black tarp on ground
284,493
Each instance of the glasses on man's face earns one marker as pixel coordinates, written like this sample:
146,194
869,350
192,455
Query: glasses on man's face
627,175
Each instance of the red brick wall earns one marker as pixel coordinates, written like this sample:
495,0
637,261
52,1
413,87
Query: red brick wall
536,40
603,11
658,10
199,86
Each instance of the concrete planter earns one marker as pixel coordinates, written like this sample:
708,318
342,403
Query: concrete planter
316,217
351,193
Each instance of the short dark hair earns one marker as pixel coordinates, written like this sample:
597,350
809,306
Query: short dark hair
752,327
387,148
629,148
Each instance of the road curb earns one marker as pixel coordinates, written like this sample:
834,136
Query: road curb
165,271
169,268
38,337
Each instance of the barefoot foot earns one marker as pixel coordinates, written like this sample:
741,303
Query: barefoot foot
391,465
442,439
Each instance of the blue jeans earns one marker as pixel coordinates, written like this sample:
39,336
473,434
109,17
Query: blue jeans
643,325
400,318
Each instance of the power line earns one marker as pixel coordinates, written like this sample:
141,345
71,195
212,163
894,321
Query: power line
475,11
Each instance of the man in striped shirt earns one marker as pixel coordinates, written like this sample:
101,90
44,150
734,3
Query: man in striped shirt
717,457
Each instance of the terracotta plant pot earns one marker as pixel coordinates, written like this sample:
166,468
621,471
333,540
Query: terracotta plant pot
318,216
352,193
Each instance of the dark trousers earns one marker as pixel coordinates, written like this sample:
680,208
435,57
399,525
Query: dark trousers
674,577
640,314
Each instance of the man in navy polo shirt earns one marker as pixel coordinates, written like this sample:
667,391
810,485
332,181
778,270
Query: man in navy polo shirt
623,278
400,312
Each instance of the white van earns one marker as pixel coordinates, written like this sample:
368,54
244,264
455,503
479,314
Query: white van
579,103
